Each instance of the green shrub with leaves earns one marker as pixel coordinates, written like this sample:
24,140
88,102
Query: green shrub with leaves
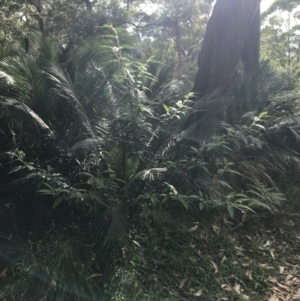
105,154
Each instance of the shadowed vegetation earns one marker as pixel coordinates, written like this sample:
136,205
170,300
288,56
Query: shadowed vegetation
118,183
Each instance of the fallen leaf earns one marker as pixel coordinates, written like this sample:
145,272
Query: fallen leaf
289,277
174,293
182,282
281,269
272,279
193,229
95,275
265,266
218,280
215,266
273,298
216,229
249,274
237,288
223,259
3,273
198,294
272,253
283,286
296,296
226,287
280,290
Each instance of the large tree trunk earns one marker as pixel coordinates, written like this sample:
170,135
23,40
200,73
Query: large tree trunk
233,34
40,18
89,8
251,48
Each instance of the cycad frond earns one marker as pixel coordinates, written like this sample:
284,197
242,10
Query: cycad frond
112,225
263,197
24,112
87,145
123,163
31,180
64,87
150,174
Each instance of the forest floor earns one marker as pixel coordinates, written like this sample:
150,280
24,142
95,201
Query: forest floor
208,258
257,260
264,262
268,252
274,250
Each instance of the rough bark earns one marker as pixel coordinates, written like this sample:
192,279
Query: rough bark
233,34
251,49
26,45
178,47
89,6
41,19
90,26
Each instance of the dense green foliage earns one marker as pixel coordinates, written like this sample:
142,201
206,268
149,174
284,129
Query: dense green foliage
106,173
280,37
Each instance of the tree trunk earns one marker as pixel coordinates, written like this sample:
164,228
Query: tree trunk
89,6
178,48
233,34
251,50
41,18
90,25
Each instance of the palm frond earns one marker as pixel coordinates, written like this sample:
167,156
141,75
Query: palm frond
123,163
112,225
65,88
87,145
149,174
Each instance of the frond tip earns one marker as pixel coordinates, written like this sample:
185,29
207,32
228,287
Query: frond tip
151,174
112,225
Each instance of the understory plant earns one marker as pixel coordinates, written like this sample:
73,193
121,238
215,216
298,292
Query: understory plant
99,155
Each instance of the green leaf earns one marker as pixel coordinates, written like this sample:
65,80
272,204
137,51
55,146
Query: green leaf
109,36
195,197
230,210
195,149
183,202
263,114
260,126
47,191
49,186
166,108
126,47
175,192
243,207
233,171
16,169
220,172
224,184
57,202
